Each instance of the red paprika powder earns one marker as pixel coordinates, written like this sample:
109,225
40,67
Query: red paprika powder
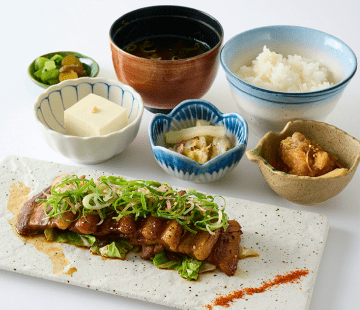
289,277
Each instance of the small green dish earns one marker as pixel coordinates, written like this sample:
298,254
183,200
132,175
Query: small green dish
89,64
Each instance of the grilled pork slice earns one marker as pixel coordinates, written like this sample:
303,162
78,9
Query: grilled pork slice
126,225
151,227
171,235
165,232
154,234
87,225
225,253
148,251
199,245
32,218
221,249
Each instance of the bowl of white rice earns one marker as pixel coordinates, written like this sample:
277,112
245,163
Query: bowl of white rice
282,73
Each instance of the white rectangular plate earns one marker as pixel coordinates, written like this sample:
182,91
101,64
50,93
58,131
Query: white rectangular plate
285,239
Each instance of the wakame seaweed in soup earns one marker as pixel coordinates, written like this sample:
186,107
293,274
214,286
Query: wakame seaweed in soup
167,47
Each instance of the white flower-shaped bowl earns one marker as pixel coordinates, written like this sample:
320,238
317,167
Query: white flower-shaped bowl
184,116
49,113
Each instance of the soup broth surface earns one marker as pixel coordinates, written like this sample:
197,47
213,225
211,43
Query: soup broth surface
167,47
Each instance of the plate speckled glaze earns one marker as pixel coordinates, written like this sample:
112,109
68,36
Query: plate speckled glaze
269,230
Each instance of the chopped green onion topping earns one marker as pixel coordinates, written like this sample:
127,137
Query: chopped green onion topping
137,198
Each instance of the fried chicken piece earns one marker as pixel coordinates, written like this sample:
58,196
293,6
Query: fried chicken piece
303,157
322,161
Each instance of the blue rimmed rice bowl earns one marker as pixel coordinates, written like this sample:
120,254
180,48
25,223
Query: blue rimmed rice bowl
185,115
49,114
269,110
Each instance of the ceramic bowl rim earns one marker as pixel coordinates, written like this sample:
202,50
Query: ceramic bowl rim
221,115
320,92
168,62
269,167
93,81
97,67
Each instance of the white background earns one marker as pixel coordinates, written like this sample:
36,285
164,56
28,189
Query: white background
32,28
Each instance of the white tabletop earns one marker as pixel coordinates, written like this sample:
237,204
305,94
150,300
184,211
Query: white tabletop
32,28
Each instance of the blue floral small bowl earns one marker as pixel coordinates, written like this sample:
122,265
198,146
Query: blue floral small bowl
184,116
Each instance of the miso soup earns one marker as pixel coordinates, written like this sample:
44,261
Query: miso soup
167,47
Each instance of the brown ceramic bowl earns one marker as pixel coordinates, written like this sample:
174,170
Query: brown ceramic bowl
165,83
302,189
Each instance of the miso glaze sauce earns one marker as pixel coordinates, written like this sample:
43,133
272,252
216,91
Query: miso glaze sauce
18,195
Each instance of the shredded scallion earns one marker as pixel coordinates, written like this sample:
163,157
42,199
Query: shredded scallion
137,198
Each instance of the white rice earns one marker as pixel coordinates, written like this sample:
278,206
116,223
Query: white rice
292,74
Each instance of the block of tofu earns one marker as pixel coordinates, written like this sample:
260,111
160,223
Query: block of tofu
94,116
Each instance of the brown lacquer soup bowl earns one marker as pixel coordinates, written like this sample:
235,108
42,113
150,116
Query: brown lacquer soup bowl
166,53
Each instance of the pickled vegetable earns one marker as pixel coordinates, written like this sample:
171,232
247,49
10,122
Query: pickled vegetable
79,70
68,75
58,68
40,62
49,65
173,137
57,59
200,143
48,75
71,60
